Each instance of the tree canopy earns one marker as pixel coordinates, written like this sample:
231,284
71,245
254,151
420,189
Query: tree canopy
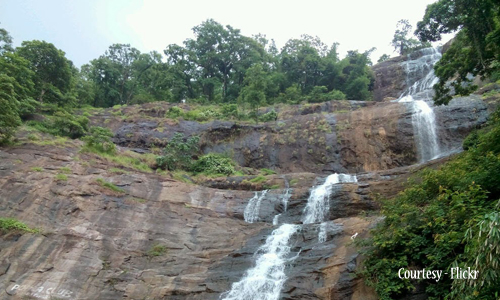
475,49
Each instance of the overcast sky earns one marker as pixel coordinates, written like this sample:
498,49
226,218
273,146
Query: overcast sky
84,29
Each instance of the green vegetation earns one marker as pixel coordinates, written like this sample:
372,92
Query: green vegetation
475,48
37,169
109,185
10,224
99,140
219,66
403,43
214,163
61,123
267,171
178,153
65,170
157,250
448,219
61,177
129,159
118,171
258,179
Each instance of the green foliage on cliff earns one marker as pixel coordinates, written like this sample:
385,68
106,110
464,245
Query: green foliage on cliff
10,224
214,163
99,139
448,219
475,49
178,153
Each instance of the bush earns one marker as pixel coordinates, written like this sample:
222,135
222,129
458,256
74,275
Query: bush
68,125
99,140
62,123
178,153
437,224
214,164
470,141
174,112
269,116
229,111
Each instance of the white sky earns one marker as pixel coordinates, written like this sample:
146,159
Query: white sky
84,29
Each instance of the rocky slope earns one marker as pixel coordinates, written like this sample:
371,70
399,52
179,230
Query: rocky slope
337,136
152,237
98,243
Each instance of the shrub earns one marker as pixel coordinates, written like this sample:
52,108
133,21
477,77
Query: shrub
267,171
10,224
62,123
178,153
68,125
214,164
269,116
470,141
174,112
99,140
229,111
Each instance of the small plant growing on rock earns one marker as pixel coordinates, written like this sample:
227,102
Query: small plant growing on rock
109,185
157,250
61,177
99,140
10,224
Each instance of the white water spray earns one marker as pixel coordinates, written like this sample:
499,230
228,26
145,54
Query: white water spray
265,280
251,213
420,71
318,203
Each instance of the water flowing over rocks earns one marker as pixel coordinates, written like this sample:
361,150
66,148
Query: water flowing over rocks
212,239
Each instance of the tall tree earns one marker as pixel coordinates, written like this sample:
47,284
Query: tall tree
184,72
52,70
253,93
123,56
403,42
301,62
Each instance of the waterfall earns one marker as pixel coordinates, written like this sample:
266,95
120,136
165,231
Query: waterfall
420,78
251,213
322,232
318,205
265,280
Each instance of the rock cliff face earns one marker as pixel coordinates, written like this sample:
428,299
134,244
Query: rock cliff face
158,238
99,244
337,136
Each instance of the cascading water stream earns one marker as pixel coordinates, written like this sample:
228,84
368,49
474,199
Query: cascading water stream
318,203
420,71
251,213
265,280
